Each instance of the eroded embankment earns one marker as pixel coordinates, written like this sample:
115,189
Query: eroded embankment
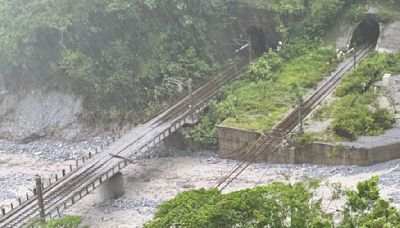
31,115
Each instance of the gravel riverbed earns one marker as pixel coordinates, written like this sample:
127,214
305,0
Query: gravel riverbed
54,150
162,174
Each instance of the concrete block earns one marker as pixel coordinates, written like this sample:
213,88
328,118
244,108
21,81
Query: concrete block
113,188
386,80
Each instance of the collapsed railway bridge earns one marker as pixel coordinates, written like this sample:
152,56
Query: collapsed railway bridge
71,187
103,169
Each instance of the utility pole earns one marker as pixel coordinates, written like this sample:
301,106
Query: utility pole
376,73
355,57
250,57
301,130
39,194
190,93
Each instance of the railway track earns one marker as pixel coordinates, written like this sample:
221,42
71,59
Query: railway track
72,187
75,185
269,142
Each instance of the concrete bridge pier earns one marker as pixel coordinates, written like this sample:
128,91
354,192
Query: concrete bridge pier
113,188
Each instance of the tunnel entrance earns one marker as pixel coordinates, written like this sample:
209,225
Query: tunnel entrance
258,41
367,32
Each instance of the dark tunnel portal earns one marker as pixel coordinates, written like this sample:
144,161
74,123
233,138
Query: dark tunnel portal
258,41
367,32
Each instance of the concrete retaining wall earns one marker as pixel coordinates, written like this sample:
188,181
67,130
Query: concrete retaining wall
233,141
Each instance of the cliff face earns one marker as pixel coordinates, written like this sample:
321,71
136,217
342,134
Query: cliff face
28,116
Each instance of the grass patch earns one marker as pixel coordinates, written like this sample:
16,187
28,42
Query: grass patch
267,90
388,11
65,222
356,111
260,104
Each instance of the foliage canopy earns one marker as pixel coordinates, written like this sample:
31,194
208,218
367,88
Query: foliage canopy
276,205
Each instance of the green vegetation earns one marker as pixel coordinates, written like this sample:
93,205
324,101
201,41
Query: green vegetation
356,111
259,207
64,222
276,205
303,140
267,91
260,104
271,85
388,10
119,54
365,208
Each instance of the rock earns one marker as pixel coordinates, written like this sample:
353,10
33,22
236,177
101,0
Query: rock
187,186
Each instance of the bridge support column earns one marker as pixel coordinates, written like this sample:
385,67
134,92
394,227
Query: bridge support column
113,188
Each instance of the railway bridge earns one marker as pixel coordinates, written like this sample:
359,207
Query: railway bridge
80,181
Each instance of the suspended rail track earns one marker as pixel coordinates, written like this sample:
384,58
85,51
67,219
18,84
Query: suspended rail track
79,182
269,142
67,190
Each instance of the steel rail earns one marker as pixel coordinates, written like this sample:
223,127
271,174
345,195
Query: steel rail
272,141
91,174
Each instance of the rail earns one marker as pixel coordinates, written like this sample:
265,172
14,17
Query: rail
71,187
271,141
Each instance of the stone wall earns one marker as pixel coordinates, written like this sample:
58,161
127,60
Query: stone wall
232,143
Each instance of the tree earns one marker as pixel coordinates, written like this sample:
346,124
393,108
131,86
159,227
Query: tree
275,205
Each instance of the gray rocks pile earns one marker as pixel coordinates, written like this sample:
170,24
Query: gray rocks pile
142,206
11,182
54,150
390,178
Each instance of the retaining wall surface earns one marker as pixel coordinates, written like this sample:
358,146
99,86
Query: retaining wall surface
233,141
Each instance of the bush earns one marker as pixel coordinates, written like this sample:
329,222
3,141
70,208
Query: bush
303,140
268,90
365,208
352,118
276,205
354,113
64,222
205,132
265,67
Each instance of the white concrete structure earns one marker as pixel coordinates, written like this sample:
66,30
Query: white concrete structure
386,80
389,38
113,188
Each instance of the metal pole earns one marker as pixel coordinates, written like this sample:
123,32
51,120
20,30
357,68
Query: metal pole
355,58
190,91
250,57
301,130
40,196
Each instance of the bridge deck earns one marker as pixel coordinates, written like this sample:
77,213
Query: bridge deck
75,185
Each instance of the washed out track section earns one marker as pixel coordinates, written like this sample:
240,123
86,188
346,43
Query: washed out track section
271,141
79,182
